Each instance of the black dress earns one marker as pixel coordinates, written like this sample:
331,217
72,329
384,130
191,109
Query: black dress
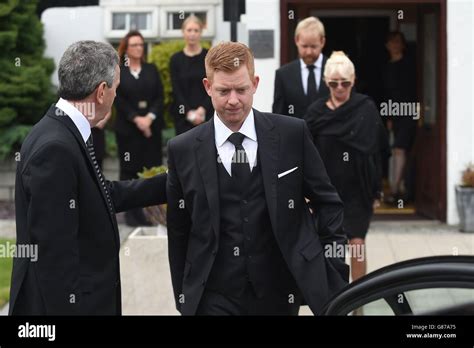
188,90
399,85
138,97
349,140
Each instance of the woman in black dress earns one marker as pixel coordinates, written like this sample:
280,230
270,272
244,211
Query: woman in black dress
191,104
348,133
399,85
139,105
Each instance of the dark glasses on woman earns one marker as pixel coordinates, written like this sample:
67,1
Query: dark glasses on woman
335,84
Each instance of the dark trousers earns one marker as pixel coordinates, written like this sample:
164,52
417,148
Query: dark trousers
215,303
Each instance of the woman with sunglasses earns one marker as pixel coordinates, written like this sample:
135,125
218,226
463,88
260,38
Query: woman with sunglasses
348,132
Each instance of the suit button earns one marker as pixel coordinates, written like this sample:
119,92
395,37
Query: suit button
214,252
246,219
245,201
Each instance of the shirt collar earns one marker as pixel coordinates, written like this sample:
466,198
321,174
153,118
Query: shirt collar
318,63
77,117
222,133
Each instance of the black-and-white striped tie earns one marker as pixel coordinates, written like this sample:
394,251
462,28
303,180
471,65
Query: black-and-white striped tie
90,148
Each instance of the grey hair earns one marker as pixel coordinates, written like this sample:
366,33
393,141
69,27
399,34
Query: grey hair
83,66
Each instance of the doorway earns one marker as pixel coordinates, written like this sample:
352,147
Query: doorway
359,28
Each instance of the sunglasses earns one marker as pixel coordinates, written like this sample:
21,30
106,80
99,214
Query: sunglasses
335,84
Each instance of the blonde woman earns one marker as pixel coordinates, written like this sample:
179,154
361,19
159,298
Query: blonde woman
191,104
348,133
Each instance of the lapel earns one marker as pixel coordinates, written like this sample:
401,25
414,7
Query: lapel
268,147
298,82
206,154
59,116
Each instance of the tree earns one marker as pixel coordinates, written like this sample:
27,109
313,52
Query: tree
26,90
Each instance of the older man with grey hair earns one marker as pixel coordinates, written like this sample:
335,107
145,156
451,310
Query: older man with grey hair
64,206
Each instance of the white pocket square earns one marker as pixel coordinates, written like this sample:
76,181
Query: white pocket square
287,172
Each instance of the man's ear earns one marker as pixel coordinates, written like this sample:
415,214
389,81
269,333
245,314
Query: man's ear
100,91
323,42
207,85
256,80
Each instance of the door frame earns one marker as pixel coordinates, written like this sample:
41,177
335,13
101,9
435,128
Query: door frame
301,8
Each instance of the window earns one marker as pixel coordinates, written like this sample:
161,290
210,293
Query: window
176,19
131,21
119,21
172,17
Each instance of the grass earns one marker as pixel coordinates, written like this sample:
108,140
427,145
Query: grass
6,264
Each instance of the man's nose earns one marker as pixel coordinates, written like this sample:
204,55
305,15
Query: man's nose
233,99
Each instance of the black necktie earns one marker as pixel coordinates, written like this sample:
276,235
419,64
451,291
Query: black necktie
240,163
90,148
312,91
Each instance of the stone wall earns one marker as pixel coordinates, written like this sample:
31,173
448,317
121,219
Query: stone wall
8,169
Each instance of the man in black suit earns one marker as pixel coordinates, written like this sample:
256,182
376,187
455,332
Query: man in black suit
242,240
299,83
64,206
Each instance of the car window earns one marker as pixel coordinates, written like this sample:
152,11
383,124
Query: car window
379,307
420,301
427,300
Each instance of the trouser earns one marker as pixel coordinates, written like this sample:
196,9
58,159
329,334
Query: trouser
215,303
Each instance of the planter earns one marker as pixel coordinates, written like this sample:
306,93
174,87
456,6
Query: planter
465,205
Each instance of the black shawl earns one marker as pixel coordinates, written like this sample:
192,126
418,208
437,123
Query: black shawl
357,124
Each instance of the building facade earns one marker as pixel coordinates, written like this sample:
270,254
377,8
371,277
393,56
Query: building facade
440,32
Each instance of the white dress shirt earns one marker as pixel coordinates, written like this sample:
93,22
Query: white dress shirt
226,149
76,116
317,72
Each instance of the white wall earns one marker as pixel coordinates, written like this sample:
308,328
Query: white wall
260,15
63,26
460,115
265,14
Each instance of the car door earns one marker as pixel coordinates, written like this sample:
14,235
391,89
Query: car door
425,286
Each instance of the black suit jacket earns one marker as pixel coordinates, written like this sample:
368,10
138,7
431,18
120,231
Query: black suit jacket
289,93
194,219
61,208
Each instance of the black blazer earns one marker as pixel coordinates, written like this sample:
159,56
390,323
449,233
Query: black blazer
289,93
188,90
131,92
193,208
61,207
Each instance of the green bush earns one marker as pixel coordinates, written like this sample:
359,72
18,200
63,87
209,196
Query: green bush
25,86
6,264
160,55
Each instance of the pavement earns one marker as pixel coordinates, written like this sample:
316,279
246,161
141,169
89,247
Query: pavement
146,281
